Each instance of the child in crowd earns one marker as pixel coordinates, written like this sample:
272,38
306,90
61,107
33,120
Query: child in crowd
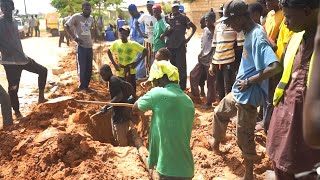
161,63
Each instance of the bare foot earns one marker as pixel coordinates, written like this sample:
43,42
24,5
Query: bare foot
42,100
214,145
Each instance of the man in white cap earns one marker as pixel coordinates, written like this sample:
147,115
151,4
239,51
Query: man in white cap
250,90
148,20
176,42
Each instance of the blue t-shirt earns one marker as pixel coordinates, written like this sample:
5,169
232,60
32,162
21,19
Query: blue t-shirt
257,55
134,34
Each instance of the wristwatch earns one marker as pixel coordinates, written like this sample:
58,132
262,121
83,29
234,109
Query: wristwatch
247,83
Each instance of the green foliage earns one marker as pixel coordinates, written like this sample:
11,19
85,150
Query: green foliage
166,7
66,7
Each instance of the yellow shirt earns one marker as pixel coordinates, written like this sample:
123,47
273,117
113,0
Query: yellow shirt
272,25
162,67
126,53
283,39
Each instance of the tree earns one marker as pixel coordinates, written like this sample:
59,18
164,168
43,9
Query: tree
65,7
166,7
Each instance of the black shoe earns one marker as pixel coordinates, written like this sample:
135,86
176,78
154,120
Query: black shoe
89,91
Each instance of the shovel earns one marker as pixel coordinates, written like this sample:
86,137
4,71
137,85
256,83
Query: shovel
69,98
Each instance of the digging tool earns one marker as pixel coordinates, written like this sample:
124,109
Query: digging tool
69,98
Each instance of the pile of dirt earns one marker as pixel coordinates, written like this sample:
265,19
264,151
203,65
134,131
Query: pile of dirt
61,141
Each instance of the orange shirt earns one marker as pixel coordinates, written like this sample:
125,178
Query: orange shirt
272,25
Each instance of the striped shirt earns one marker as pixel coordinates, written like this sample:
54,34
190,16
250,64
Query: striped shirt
224,40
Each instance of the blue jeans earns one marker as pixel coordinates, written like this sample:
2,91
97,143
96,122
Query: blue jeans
84,66
140,68
5,107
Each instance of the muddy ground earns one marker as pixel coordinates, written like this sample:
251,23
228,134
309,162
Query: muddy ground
60,141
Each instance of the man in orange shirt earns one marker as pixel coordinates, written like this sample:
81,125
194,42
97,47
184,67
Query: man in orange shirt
274,19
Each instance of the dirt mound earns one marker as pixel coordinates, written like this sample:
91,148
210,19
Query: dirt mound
61,141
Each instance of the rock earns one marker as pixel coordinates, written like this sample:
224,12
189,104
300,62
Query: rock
46,134
84,146
57,71
22,144
81,117
65,76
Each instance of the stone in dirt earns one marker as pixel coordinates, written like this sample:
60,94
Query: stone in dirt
57,71
46,134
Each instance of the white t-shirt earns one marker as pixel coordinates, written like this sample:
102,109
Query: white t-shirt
148,21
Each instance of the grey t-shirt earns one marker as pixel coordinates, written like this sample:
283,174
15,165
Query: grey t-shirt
206,46
10,43
82,27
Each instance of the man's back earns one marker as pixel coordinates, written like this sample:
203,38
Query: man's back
170,131
10,43
117,85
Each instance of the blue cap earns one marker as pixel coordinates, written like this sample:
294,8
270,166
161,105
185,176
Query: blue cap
181,8
151,2
132,7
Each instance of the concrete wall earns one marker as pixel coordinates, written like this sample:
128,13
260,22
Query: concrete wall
198,8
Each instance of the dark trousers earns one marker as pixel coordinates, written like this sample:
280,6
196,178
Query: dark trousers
197,79
84,66
224,79
13,73
37,31
178,59
5,107
62,35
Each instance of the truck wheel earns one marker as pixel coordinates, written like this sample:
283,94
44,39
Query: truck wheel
54,32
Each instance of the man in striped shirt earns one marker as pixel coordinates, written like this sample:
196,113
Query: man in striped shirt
225,42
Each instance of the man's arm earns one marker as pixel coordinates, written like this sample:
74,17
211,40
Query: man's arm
70,33
168,31
112,60
271,70
139,30
311,120
194,28
117,98
135,107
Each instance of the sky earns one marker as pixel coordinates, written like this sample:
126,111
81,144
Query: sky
43,6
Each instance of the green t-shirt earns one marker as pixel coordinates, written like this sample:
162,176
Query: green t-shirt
159,28
170,130
126,53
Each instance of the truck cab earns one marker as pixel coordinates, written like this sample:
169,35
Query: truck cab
52,23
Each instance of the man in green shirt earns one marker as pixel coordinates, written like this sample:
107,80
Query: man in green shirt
170,130
160,29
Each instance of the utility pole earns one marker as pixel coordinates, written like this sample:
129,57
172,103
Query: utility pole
25,7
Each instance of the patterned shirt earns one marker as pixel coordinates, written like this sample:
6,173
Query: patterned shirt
126,53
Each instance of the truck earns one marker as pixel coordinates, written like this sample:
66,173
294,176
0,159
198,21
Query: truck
23,27
52,23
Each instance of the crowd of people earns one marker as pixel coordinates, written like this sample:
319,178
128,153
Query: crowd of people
256,56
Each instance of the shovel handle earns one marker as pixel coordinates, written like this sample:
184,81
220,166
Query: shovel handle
106,103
